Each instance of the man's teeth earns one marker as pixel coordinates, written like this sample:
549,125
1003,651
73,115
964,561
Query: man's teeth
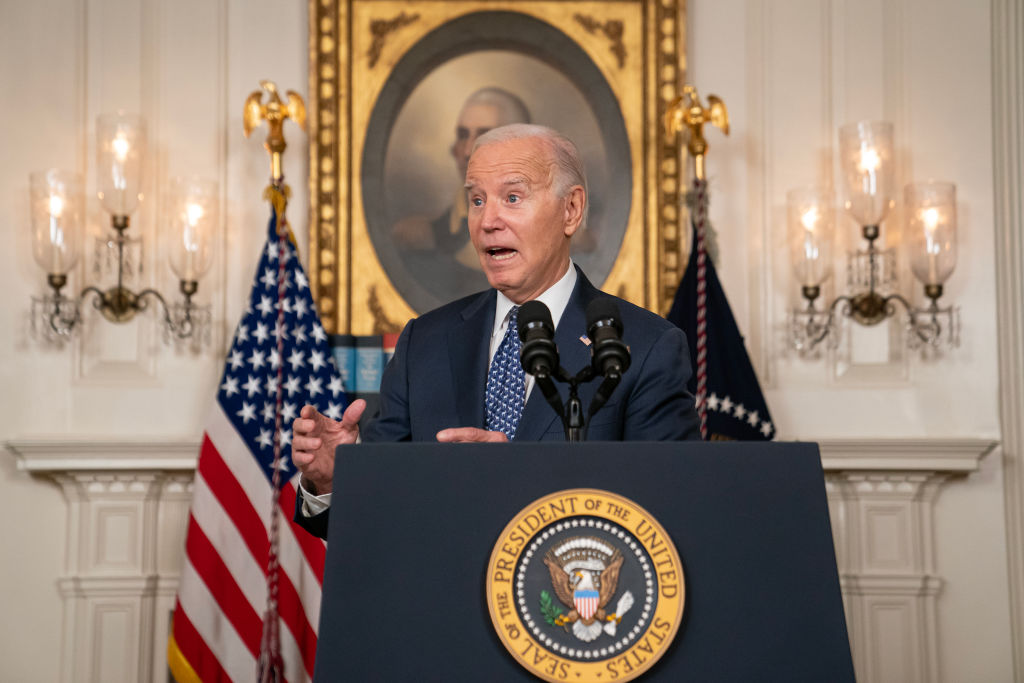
500,254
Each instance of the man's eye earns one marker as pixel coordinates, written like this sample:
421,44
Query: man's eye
476,201
514,199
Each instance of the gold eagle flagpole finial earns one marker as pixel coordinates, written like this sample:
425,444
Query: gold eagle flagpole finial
686,111
274,112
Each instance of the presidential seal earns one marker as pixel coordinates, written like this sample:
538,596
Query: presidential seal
584,585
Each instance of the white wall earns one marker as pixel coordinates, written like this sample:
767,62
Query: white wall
187,66
790,72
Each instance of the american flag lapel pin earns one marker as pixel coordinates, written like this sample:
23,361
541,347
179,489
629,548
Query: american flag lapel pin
585,339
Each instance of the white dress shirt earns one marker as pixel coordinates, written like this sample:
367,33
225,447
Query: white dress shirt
555,297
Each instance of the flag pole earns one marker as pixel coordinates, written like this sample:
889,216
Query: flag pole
687,112
275,111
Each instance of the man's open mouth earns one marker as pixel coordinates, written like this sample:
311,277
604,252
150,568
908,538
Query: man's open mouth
501,253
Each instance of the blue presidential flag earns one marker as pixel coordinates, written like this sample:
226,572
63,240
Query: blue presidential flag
729,398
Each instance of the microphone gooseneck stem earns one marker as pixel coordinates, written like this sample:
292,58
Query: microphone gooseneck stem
574,413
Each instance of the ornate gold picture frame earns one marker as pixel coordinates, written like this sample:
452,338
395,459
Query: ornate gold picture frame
388,79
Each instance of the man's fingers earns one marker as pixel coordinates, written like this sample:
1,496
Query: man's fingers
306,443
352,414
470,434
303,425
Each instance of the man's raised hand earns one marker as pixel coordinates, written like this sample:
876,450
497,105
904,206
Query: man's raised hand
314,438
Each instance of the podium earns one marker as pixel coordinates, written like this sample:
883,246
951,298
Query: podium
413,527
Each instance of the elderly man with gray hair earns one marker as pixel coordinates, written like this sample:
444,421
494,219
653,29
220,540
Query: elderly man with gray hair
455,375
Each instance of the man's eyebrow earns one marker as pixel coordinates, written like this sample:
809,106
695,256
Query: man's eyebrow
514,180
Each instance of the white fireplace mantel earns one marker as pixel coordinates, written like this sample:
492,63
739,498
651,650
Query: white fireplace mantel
128,505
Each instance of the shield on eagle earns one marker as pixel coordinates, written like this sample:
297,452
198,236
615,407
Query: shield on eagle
586,602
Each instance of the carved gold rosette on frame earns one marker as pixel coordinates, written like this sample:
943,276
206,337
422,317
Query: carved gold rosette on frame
366,56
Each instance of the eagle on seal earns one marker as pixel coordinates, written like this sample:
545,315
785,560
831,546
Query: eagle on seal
584,574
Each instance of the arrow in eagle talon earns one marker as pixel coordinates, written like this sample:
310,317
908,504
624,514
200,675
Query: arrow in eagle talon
625,602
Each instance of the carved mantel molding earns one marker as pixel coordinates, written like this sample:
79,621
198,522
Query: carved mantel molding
128,505
881,495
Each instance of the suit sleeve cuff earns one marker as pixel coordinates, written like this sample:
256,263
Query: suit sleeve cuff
313,505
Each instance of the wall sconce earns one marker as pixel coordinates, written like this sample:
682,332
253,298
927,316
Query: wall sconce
866,153
58,218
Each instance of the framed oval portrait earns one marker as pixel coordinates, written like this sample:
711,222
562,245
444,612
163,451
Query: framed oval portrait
401,90
444,93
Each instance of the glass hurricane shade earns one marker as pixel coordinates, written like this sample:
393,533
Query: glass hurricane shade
58,211
931,230
120,148
811,229
866,163
190,222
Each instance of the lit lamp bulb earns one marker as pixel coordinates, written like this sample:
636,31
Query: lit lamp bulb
931,229
810,236
120,145
190,227
57,210
865,153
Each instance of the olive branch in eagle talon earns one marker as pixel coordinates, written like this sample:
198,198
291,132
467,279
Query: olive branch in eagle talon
552,613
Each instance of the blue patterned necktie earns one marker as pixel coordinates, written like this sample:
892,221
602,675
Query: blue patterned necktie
506,383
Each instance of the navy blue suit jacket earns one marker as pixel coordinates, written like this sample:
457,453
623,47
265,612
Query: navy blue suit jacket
438,375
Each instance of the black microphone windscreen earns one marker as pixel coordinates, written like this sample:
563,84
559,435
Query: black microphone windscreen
603,308
533,313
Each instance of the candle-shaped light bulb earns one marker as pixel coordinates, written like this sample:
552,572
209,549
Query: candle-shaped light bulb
931,211
865,156
57,210
810,218
869,159
193,212
121,146
56,205
190,227
810,234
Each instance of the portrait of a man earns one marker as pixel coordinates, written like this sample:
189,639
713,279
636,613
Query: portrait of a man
414,197
438,248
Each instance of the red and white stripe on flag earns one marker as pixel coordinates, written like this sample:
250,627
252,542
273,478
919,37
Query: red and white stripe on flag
586,603
279,361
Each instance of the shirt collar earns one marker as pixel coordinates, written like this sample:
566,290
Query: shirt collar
556,298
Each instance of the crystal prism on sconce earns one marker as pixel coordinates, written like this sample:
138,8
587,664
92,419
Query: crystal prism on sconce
58,225
866,151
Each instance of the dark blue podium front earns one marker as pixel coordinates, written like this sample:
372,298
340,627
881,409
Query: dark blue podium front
413,526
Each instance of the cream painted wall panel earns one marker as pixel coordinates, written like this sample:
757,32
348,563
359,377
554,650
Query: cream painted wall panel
920,64
31,623
63,64
970,554
266,40
39,72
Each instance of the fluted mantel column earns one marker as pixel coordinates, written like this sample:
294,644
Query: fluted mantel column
881,500
127,509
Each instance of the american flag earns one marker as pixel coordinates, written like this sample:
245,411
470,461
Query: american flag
279,361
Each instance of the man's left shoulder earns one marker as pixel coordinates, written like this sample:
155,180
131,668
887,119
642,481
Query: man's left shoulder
639,320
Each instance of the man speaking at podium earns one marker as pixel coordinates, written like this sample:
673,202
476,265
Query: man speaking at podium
456,375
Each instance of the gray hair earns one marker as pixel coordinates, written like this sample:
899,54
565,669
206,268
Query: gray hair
568,164
510,108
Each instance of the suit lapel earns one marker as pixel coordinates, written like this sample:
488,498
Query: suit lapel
573,354
468,346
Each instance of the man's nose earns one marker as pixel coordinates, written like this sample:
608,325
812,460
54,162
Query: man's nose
490,218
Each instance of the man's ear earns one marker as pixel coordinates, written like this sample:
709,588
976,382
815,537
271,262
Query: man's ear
575,202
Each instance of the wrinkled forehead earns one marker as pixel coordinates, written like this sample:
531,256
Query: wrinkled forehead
528,161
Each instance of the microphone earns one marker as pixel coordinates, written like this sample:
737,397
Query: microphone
539,354
609,354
